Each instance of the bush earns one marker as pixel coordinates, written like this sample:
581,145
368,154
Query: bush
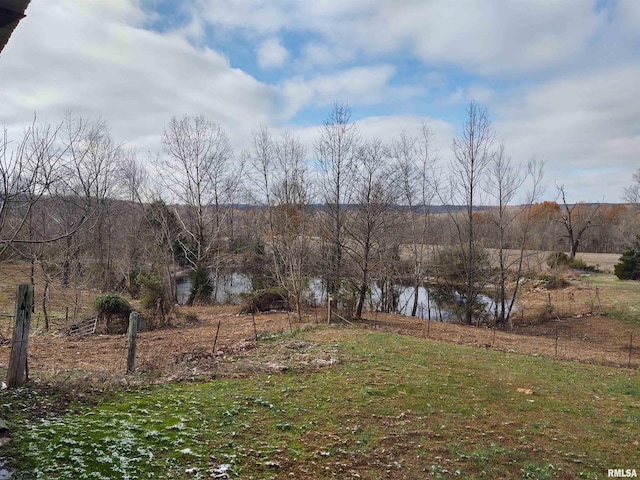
113,311
151,287
629,266
264,300
561,259
558,259
110,304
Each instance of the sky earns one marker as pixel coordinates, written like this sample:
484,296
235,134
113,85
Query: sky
560,79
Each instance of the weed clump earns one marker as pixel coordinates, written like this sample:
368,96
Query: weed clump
552,282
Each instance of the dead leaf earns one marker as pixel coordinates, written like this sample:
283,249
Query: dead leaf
526,391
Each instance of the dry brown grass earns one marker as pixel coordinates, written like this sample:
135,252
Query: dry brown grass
534,260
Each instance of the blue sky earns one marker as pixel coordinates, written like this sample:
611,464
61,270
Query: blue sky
559,78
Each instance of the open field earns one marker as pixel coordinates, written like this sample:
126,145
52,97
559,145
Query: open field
534,260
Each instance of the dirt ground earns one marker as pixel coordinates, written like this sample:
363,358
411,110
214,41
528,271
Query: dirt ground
186,350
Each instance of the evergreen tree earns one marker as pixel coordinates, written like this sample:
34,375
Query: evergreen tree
629,266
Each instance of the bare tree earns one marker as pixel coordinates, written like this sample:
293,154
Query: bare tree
472,154
504,181
631,194
576,220
290,235
279,177
196,169
162,250
415,159
134,177
375,194
27,171
88,183
335,150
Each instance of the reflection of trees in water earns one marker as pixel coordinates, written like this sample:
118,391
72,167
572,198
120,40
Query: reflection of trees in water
438,302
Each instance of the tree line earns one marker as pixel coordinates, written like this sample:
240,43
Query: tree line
354,212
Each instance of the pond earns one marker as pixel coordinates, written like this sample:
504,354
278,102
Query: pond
227,292
230,288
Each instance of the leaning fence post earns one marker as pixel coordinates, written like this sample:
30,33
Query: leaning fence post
17,372
215,341
131,342
255,329
290,324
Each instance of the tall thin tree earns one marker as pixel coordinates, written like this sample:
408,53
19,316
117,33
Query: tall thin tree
472,154
335,150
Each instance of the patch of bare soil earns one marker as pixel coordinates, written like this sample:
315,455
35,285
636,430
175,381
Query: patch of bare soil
182,351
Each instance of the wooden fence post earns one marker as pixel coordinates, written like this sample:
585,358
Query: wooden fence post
215,341
131,342
255,330
17,373
290,324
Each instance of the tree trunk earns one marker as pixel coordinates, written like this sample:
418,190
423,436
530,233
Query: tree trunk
416,289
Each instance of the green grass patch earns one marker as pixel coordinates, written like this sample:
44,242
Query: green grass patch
395,407
620,298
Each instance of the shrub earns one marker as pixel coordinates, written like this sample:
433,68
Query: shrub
110,304
628,268
561,259
263,300
153,293
201,286
113,311
558,259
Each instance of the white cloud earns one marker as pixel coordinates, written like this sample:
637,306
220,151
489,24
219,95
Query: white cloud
560,78
84,57
271,54
490,38
359,85
258,15
580,124
318,54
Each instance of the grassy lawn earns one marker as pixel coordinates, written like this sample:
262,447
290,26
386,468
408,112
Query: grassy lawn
620,299
390,407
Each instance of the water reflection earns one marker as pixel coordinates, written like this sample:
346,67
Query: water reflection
230,287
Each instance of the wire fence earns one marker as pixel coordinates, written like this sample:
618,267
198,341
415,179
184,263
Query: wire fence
556,339
38,324
193,341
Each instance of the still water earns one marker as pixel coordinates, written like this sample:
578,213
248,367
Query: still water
230,288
